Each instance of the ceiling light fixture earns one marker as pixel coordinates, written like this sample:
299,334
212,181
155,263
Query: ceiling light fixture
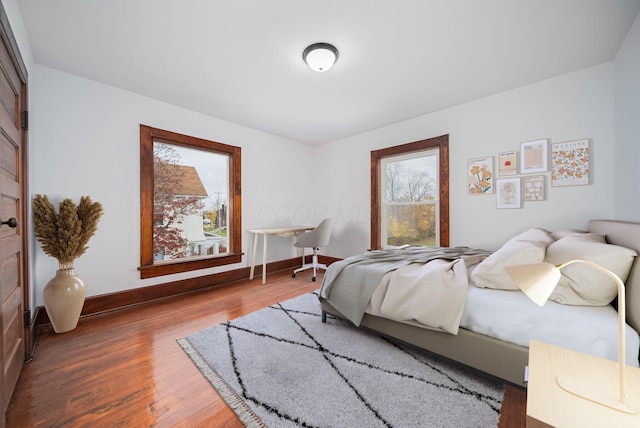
320,56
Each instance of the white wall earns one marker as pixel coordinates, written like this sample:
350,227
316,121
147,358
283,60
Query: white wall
573,106
627,112
86,141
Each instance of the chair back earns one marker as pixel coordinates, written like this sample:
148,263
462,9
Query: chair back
318,237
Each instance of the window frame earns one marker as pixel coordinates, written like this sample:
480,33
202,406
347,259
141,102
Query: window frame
149,269
440,143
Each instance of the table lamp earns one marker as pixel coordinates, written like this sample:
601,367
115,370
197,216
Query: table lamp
537,281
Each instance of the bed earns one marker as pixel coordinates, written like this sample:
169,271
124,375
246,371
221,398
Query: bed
494,329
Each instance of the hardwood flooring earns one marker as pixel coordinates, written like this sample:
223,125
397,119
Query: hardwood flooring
125,369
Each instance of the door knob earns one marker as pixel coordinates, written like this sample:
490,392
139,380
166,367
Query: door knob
12,222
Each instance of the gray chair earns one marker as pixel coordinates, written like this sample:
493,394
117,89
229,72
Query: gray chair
316,238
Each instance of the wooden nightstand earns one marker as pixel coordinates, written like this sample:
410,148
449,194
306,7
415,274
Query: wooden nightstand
550,405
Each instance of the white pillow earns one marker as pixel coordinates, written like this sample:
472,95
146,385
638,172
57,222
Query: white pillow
581,284
528,247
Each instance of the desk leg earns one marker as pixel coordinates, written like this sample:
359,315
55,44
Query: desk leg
253,256
264,258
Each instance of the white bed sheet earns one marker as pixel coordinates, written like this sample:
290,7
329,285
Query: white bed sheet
510,316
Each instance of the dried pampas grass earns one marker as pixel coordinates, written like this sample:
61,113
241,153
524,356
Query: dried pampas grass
64,235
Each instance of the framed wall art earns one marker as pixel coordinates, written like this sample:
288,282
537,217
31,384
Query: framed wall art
533,188
570,163
508,193
533,156
507,163
480,176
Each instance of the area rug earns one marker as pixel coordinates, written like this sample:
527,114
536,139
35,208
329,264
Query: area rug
282,367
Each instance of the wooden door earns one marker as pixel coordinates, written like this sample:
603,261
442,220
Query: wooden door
13,293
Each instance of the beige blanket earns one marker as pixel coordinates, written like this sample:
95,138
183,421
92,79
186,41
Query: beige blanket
430,295
348,284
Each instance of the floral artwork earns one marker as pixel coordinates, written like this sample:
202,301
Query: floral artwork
508,193
570,163
480,176
534,188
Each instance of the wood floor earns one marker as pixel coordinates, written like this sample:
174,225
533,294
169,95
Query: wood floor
125,369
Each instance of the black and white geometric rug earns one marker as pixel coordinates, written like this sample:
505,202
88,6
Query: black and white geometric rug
282,367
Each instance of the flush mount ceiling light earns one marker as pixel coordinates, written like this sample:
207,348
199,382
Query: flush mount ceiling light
320,56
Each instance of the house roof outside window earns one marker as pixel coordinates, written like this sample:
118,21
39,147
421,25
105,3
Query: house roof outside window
188,182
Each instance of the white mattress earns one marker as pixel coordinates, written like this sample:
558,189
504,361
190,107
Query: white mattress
512,317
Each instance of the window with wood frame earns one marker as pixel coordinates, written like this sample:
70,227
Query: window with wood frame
190,203
410,194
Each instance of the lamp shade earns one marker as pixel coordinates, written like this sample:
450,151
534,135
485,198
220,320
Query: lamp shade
536,280
320,57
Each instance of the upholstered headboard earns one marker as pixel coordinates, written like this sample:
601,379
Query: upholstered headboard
625,234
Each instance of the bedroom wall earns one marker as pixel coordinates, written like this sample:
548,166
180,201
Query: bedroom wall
85,141
627,126
573,106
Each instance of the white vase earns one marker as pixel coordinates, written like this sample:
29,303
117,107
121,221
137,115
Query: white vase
63,299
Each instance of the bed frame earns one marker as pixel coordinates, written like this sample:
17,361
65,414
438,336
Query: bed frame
495,357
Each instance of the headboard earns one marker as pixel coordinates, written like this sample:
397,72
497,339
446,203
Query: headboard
625,234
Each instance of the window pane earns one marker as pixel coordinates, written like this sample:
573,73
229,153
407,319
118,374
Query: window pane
190,215
410,195
414,224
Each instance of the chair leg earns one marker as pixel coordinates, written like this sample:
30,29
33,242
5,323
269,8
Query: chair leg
314,264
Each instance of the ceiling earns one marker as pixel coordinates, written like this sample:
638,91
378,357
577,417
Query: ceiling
241,60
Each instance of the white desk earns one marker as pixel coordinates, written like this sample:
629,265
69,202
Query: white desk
548,405
278,231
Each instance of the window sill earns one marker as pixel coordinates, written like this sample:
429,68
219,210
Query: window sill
168,268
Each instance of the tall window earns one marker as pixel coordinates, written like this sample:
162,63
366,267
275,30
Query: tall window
410,194
190,203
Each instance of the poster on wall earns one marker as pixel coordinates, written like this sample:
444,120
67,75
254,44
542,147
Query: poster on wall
534,188
508,193
533,156
570,163
507,163
480,176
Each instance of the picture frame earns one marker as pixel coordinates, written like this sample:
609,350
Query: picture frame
508,193
533,188
534,156
480,176
570,163
508,163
